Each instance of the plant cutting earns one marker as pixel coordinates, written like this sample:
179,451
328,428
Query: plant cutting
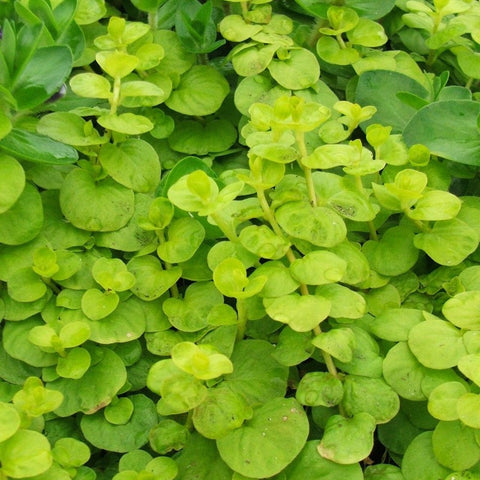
239,240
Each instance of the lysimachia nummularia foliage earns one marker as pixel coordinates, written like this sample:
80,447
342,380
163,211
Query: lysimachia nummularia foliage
239,239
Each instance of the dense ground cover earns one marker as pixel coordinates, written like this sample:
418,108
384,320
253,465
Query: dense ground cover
239,239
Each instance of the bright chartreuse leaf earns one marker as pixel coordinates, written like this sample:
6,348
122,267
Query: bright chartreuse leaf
91,85
347,440
75,363
280,425
300,312
230,277
442,401
112,274
469,366
318,225
299,70
202,361
338,342
102,205
318,268
10,420
26,454
127,123
449,242
394,324
468,409
201,91
12,181
97,304
345,303
263,242
455,446
462,310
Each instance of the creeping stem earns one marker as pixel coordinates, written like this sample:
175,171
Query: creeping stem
300,138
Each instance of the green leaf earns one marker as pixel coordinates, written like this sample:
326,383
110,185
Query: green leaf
120,411
198,138
235,29
185,236
279,280
347,440
318,225
454,445
395,252
318,268
367,33
133,163
256,375
394,324
74,364
201,361
70,452
345,303
10,421
463,310
419,461
371,395
309,465
280,425
469,366
97,304
12,181
168,435
201,91
429,126
42,76
301,312
330,51
449,242
436,344
252,58
435,205
337,342
293,347
123,437
152,280
379,88
126,323
26,286
221,412
230,277
263,242
319,388
26,454
101,205
468,407
117,64
298,71
112,274
128,123
404,373
442,401
96,388
24,220
37,148
91,85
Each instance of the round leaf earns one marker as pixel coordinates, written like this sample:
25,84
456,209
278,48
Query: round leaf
347,440
102,205
25,454
133,163
9,420
125,437
201,91
280,425
12,181
442,401
319,388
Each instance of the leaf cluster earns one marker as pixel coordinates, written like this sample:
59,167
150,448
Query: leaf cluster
239,239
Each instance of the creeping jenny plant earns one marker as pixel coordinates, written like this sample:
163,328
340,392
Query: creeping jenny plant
239,240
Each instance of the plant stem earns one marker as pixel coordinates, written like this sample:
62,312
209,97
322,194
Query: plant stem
168,266
224,227
302,148
153,19
242,318
371,225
